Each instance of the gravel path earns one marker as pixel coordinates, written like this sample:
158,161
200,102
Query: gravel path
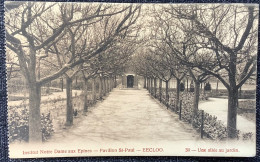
128,115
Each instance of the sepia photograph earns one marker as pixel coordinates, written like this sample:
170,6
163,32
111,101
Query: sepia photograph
131,79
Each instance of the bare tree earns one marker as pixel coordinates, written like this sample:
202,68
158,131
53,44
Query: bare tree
32,28
223,42
160,33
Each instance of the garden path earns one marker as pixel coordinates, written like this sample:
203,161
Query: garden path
130,119
219,108
127,115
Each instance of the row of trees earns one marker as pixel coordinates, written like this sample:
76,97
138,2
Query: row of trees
48,40
202,41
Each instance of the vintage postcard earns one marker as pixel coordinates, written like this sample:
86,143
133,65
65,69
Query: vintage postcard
119,79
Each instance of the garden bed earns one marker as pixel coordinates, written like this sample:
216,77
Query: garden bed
53,117
213,128
247,109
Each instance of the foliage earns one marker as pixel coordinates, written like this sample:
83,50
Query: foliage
213,128
78,86
19,127
247,136
47,126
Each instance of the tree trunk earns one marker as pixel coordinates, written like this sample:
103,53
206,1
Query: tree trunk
196,100
35,131
160,90
61,82
110,84
85,95
232,98
107,84
100,87
104,87
76,81
240,92
155,87
204,92
122,81
239,96
48,88
232,112
187,89
217,87
69,119
35,128
149,86
167,91
144,82
147,83
115,82
178,81
94,89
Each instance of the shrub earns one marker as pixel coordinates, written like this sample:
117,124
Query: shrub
247,136
19,126
47,126
213,128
